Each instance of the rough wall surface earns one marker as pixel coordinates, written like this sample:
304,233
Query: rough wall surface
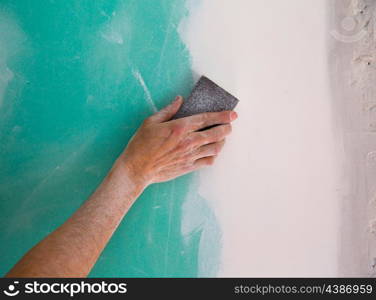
353,73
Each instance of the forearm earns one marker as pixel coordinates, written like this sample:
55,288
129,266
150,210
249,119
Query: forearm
73,248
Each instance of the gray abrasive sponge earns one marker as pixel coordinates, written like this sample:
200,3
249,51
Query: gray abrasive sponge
206,97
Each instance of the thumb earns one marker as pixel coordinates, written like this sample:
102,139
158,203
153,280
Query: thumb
166,113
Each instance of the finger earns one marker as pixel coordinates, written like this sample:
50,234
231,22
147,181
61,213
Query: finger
203,162
204,120
184,168
212,149
212,135
166,113
191,155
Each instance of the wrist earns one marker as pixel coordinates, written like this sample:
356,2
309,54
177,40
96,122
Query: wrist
127,170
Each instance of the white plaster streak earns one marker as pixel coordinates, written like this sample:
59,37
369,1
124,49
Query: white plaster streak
6,75
149,99
113,37
273,187
11,38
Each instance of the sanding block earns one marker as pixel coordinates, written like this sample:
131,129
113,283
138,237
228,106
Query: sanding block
206,96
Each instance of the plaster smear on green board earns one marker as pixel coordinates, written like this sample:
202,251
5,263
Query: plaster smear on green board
89,73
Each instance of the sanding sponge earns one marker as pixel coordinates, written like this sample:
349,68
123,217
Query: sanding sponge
206,97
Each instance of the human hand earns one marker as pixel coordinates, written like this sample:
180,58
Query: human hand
162,150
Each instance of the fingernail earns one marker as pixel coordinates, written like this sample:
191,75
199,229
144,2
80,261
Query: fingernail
233,115
177,98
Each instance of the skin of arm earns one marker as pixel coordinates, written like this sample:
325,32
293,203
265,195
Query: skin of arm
159,151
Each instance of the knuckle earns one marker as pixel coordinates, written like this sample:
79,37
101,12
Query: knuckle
227,129
185,145
204,138
178,128
222,117
218,133
227,116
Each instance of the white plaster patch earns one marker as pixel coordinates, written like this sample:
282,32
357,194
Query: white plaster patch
274,186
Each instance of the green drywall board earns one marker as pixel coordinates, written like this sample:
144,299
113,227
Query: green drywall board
77,77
